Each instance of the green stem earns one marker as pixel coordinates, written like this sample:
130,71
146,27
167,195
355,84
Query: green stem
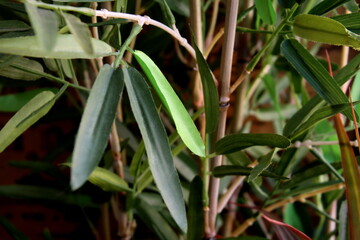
244,29
250,67
86,11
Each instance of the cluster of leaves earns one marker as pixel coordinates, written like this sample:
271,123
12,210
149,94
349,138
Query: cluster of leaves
54,42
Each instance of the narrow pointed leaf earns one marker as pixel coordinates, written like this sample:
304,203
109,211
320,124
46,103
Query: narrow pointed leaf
211,96
156,145
15,233
324,30
229,170
30,113
316,75
352,179
95,125
350,21
108,181
183,122
266,11
264,163
80,31
66,47
45,24
326,6
236,142
196,216
13,26
14,69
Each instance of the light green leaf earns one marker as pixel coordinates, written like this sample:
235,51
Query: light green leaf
211,97
183,122
108,181
13,26
326,6
13,102
231,170
236,142
80,31
14,68
66,47
156,145
264,163
266,11
324,30
45,24
317,76
25,117
95,125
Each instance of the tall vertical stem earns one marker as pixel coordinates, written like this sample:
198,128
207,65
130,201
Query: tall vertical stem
225,75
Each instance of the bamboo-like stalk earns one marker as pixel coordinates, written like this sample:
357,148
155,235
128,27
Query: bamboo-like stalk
214,15
225,75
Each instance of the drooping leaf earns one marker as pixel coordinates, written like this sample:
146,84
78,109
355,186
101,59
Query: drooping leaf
154,220
317,76
108,181
196,216
66,47
211,97
30,113
266,11
352,179
229,170
183,122
326,6
156,145
264,163
15,68
13,26
350,21
80,31
324,30
236,142
95,125
45,24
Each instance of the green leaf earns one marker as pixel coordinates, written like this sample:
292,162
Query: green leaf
266,11
196,216
211,96
80,31
95,125
326,6
350,21
183,122
230,170
12,230
14,68
30,113
264,163
13,26
316,75
66,47
45,24
108,181
167,13
84,1
154,220
179,6
352,178
236,142
319,115
324,30
156,145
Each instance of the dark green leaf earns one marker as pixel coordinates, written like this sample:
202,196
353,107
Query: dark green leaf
108,181
12,230
13,26
237,142
266,11
326,6
85,1
66,47
229,170
196,216
156,144
30,113
154,220
183,122
287,3
167,13
45,24
95,125
80,31
211,97
317,76
179,6
15,67
264,163
350,21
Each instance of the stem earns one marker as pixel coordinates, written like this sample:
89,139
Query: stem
225,74
210,34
